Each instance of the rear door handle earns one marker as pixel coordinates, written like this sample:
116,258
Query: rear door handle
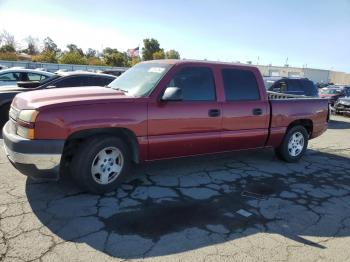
257,111
214,112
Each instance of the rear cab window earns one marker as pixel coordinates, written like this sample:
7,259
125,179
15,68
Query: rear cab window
240,85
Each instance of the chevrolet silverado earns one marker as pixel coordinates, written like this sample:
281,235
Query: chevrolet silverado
156,110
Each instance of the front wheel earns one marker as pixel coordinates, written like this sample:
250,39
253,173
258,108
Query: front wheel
294,144
100,164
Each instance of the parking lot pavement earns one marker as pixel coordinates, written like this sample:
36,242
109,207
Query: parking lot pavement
242,206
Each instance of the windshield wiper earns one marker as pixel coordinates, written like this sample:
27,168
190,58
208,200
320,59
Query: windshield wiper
119,89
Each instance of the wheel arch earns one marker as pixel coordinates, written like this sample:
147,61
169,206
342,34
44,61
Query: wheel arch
306,123
75,139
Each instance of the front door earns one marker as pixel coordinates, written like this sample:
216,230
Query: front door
190,126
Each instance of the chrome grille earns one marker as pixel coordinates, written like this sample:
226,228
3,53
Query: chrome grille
14,113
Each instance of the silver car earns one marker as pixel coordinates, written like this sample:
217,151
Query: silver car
12,75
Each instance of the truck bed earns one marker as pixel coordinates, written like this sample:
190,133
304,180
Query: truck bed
280,96
286,109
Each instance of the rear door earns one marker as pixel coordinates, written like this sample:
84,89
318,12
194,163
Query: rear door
188,127
245,111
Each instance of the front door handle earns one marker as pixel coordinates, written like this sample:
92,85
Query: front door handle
214,112
257,111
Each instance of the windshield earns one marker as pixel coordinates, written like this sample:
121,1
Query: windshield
141,79
330,91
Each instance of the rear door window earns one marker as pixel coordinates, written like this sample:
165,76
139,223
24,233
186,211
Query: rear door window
240,85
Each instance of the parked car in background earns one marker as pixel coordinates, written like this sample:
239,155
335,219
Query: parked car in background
156,110
63,79
115,72
323,85
12,75
343,104
293,86
332,94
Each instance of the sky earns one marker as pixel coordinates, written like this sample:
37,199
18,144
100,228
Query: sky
312,33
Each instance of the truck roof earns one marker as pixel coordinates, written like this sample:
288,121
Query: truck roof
205,62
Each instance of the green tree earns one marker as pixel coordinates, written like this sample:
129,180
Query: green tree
73,48
159,54
7,49
95,61
73,57
113,57
91,53
172,54
45,57
133,61
8,40
50,46
49,53
32,47
151,46
8,56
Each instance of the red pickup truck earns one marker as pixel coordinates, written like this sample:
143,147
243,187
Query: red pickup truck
155,110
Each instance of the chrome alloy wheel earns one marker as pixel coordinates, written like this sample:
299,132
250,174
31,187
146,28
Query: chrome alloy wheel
107,165
296,144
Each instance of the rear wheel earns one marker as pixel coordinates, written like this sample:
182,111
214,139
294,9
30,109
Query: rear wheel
100,164
294,144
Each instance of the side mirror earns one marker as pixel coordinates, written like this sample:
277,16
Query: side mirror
172,94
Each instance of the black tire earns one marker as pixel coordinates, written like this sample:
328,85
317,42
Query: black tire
83,159
283,153
4,114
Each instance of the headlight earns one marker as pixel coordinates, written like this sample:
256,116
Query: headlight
28,116
26,121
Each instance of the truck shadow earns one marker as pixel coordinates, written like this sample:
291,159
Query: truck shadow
338,124
175,206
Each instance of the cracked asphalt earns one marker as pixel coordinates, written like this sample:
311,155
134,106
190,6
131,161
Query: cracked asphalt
186,210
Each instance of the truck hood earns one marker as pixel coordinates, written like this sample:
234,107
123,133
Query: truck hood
71,96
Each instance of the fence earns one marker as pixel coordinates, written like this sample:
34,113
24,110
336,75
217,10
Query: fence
54,67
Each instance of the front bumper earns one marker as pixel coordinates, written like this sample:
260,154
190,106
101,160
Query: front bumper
34,158
342,108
